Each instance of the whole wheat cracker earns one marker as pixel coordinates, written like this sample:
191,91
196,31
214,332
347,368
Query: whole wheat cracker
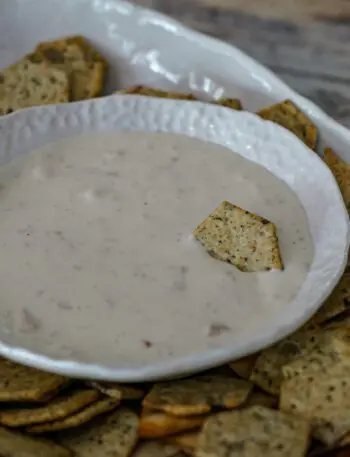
341,172
156,449
253,432
113,435
15,444
63,405
19,383
197,395
117,390
75,420
323,399
155,424
247,241
289,116
26,84
244,367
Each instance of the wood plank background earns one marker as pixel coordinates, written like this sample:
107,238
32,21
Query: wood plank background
306,42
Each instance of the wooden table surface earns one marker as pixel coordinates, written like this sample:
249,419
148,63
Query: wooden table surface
306,42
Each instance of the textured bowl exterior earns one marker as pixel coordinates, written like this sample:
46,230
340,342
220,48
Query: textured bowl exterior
262,142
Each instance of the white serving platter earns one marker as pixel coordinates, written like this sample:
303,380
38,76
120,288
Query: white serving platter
78,347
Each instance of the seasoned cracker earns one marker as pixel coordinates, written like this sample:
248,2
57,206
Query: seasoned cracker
197,395
241,238
81,417
26,84
60,407
156,425
341,172
118,391
113,435
24,384
159,93
323,400
62,45
232,103
337,302
14,444
267,371
244,367
330,356
289,116
86,76
254,432
262,399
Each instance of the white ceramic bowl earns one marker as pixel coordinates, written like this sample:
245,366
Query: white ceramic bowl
262,142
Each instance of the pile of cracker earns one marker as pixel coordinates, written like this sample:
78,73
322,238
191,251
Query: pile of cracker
59,71
289,400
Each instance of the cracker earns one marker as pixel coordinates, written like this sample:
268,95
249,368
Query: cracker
262,399
244,367
232,103
90,53
19,383
328,357
289,116
26,84
254,432
323,400
119,391
79,418
337,302
159,93
267,372
244,239
86,76
197,395
113,435
14,444
341,172
156,449
156,425
62,406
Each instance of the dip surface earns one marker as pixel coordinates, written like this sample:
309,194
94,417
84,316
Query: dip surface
97,258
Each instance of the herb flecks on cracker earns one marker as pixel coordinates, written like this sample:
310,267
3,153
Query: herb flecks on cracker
197,395
247,241
254,432
341,172
289,116
19,383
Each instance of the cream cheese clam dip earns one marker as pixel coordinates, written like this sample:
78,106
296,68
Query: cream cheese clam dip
98,257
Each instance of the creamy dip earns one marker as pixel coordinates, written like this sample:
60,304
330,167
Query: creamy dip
98,261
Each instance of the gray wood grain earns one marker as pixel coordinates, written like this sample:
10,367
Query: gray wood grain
306,43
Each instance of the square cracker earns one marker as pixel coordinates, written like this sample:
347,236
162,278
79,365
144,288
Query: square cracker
244,367
155,424
60,407
14,444
232,103
81,417
267,371
239,237
89,52
19,383
113,435
289,116
337,302
86,75
186,441
323,400
118,391
341,172
26,84
197,395
254,432
151,92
